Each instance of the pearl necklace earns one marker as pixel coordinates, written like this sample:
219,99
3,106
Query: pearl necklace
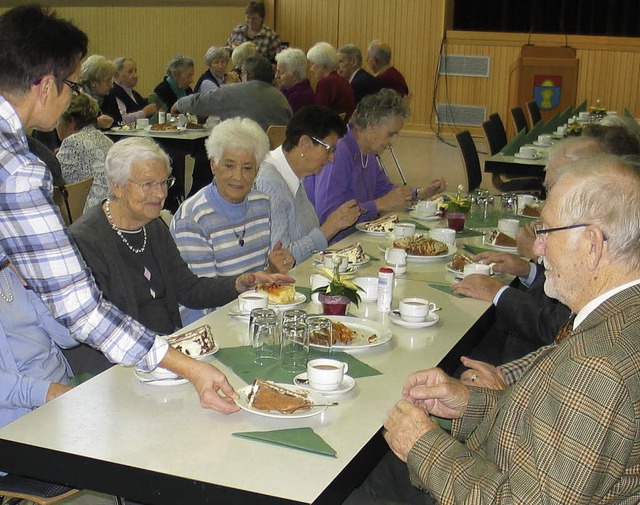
9,297
107,208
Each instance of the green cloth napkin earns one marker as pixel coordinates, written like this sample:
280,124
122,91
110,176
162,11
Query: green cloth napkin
477,250
627,113
305,291
564,117
466,233
419,226
373,258
580,108
304,439
240,360
534,132
514,145
445,288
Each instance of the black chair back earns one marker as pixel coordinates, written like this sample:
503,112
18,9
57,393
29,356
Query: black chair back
492,136
534,113
471,160
519,120
498,126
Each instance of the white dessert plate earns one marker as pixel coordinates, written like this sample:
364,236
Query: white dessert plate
431,319
499,247
528,217
316,398
347,384
523,157
297,300
458,273
451,250
165,132
147,378
422,217
318,257
361,227
364,329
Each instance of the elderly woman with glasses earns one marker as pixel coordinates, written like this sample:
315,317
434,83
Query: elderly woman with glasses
96,77
311,138
177,82
225,228
355,172
132,256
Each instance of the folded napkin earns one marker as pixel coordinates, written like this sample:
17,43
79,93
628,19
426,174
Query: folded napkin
419,226
240,360
534,132
580,108
445,288
373,258
466,233
473,249
304,439
305,291
514,145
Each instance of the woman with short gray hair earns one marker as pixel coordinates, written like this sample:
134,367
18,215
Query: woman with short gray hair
131,253
177,82
96,76
332,90
217,61
291,77
224,229
355,172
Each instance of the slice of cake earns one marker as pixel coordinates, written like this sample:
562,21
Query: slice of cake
268,396
502,239
459,260
384,223
354,253
194,343
278,294
531,211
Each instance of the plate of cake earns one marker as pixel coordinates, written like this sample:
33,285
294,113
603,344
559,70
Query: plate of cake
354,254
458,262
501,241
424,249
197,343
281,296
530,211
380,226
351,334
282,401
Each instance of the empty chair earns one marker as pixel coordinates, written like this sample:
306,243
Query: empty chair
276,134
534,113
471,160
15,488
519,120
71,199
494,139
498,126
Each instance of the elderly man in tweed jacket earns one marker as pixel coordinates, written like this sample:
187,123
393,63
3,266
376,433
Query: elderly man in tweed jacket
567,428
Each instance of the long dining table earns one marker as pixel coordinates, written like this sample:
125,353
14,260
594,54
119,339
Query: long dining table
155,444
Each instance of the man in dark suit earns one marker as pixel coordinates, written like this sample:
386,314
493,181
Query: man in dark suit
350,67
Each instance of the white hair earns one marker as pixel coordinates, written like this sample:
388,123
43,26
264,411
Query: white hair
325,55
123,154
293,60
238,133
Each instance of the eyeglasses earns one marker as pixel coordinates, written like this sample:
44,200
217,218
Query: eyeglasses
540,231
76,87
330,149
149,186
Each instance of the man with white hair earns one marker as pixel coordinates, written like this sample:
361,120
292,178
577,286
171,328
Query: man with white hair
379,59
350,67
566,428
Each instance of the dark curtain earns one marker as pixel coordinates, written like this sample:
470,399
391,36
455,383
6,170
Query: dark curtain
584,17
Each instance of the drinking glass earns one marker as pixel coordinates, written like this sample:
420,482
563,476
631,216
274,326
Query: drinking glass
322,328
509,203
294,316
294,347
265,336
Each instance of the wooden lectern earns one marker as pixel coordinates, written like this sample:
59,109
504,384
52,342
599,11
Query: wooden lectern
546,75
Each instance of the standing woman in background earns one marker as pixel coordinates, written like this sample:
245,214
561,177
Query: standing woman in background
96,76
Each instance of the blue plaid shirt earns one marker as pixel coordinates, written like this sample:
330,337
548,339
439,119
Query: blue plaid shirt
35,239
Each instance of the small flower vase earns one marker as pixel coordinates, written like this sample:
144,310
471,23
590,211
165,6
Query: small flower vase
333,305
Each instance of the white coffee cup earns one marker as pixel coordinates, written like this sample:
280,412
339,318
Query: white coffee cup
142,123
528,151
212,121
544,139
415,310
326,374
584,116
401,230
317,281
560,130
395,256
526,200
426,208
509,227
250,300
369,286
476,268
446,235
328,260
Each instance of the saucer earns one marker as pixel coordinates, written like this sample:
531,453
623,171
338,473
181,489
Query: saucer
522,157
432,318
424,217
538,144
347,384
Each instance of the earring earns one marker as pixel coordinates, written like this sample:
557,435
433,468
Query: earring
302,155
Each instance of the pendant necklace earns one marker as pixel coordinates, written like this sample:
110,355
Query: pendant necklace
6,297
107,208
240,236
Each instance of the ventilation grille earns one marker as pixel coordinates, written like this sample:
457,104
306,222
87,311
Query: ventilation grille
460,114
471,66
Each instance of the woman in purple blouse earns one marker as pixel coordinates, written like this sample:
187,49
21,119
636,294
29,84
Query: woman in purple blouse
291,76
